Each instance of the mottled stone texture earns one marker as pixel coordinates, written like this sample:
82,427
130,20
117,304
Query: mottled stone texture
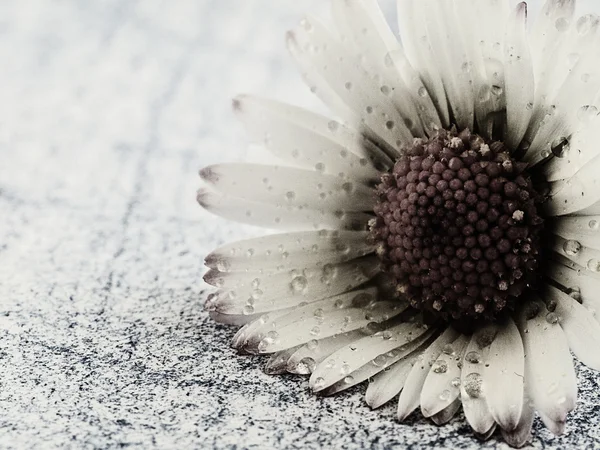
107,109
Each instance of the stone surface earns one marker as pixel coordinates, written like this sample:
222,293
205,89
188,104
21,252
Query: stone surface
108,108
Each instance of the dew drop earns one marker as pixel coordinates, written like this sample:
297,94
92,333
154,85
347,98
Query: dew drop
473,385
290,195
448,350
561,24
594,225
552,318
440,366
315,331
529,106
497,90
390,124
223,265
571,247
248,309
349,379
380,361
455,382
385,90
369,110
320,167
348,85
333,126
306,366
473,357
319,383
298,284
345,369
445,395
422,91
594,265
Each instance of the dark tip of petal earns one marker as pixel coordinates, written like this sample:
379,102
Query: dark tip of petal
209,174
202,198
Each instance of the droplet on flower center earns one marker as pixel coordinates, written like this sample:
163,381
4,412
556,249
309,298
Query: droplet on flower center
457,223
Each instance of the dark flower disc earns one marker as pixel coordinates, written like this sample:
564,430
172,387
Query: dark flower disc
458,227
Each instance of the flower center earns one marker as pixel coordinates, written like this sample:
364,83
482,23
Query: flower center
458,227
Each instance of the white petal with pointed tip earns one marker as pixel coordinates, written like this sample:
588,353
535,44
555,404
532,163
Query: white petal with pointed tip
581,329
518,72
504,375
387,384
288,187
346,360
411,394
252,294
309,140
379,364
307,357
278,217
346,86
476,408
548,365
442,385
278,252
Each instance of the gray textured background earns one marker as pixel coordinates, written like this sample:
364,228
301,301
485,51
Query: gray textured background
107,110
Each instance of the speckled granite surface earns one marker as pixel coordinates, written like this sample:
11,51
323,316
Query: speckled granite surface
107,108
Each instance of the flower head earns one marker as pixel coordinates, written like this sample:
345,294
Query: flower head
443,238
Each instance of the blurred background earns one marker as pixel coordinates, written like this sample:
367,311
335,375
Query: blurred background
108,108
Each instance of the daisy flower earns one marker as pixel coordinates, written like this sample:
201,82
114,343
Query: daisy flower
441,237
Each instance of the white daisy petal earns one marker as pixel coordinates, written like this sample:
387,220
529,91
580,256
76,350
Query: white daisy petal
233,319
307,357
474,402
277,217
277,363
288,187
547,37
320,323
582,148
584,229
504,376
576,252
387,384
557,427
443,33
362,22
309,140
442,385
548,364
581,329
577,281
239,339
518,72
348,359
522,433
379,363
284,251
411,394
412,30
338,75
483,27
274,321
575,194
243,294
446,414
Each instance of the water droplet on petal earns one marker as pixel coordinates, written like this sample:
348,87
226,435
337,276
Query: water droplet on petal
473,357
552,318
298,284
445,395
422,91
312,345
319,383
571,247
306,366
440,366
473,385
560,147
594,225
594,265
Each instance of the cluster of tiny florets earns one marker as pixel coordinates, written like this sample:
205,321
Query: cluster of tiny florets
457,226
